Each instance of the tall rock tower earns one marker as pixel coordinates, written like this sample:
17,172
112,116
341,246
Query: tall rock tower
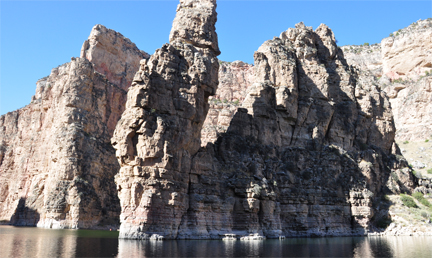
159,131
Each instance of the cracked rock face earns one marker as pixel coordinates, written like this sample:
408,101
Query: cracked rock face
308,153
234,79
159,131
402,66
57,166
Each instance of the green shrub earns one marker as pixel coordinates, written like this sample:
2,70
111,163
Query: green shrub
391,34
427,140
421,199
405,142
429,171
366,44
408,201
424,214
394,176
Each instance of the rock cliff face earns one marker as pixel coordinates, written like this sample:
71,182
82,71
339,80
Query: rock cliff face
234,79
309,152
159,132
408,53
402,65
57,166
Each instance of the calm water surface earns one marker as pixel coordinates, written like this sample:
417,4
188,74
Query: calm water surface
36,242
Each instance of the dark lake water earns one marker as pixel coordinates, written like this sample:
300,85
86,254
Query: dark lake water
36,242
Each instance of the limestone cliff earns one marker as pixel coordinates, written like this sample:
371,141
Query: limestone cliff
402,65
310,151
57,166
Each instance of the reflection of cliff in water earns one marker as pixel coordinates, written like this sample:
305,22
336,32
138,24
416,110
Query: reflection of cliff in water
36,242
291,247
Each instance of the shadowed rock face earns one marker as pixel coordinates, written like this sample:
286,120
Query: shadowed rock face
57,165
309,152
159,131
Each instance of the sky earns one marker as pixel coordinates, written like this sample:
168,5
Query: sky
36,36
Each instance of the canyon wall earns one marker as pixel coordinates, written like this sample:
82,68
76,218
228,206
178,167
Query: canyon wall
402,65
299,144
309,152
159,132
234,79
57,166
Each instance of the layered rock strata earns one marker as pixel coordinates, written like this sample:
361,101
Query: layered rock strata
234,79
309,152
402,65
159,132
57,166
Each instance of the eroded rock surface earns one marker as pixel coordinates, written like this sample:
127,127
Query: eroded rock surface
309,152
402,65
234,79
413,45
159,132
57,166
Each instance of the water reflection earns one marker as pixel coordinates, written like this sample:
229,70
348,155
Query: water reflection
297,247
34,242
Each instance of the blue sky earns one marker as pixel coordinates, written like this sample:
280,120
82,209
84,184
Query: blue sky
36,36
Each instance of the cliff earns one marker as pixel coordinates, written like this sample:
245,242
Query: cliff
159,132
56,163
302,143
402,65
234,79
309,153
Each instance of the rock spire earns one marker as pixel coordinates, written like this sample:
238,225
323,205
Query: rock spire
159,132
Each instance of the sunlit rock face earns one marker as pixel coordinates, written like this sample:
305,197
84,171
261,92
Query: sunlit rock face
234,80
402,66
57,166
159,132
308,153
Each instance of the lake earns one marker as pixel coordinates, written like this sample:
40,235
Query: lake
37,242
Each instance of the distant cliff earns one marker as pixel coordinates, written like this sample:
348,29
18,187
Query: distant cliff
57,165
402,65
